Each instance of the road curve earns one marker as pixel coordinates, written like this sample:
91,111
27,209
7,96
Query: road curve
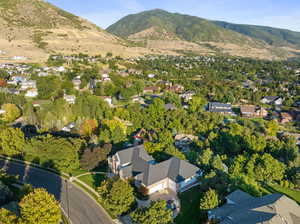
82,208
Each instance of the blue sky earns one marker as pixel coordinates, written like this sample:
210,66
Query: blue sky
276,13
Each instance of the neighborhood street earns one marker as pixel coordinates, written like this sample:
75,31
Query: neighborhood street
81,208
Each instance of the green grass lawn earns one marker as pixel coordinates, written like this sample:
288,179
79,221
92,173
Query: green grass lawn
190,212
294,194
93,180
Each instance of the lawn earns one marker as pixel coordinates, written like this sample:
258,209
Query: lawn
294,194
190,212
93,180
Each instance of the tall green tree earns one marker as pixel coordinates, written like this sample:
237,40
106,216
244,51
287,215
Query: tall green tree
156,213
12,141
117,195
209,200
40,207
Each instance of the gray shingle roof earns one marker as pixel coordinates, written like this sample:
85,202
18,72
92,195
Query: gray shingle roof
270,209
173,168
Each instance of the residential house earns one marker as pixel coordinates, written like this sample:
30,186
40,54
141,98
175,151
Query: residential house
76,82
248,110
170,106
184,141
275,100
70,98
151,76
173,174
30,84
242,208
251,111
187,96
107,99
293,135
285,117
32,93
176,88
151,89
223,108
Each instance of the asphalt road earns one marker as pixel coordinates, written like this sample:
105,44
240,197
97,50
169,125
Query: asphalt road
82,208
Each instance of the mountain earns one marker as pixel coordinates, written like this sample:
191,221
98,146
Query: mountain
272,36
158,28
35,29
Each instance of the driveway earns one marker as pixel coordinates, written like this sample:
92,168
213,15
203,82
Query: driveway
82,209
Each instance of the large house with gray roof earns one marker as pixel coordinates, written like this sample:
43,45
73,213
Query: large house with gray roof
173,174
242,208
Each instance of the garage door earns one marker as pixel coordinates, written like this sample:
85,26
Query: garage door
156,188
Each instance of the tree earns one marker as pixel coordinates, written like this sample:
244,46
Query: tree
255,143
205,156
7,217
40,207
265,168
197,103
61,154
91,157
88,127
12,112
117,195
209,200
156,213
12,141
271,128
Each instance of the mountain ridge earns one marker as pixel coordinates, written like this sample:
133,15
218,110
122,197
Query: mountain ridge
203,31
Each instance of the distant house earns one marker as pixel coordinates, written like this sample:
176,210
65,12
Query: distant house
248,110
251,111
151,75
184,141
151,89
285,117
107,99
242,208
70,98
176,88
32,93
274,100
223,108
187,96
173,174
170,106
30,84
76,82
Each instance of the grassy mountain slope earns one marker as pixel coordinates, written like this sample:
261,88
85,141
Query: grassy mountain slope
35,29
273,36
184,27
159,26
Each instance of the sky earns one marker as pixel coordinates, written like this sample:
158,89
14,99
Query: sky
275,13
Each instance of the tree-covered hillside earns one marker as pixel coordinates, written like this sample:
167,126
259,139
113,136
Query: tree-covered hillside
185,27
273,36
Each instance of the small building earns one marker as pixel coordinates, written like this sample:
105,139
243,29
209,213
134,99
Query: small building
184,141
107,99
30,84
223,108
273,100
151,89
70,98
76,82
176,88
285,117
32,93
248,111
187,96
